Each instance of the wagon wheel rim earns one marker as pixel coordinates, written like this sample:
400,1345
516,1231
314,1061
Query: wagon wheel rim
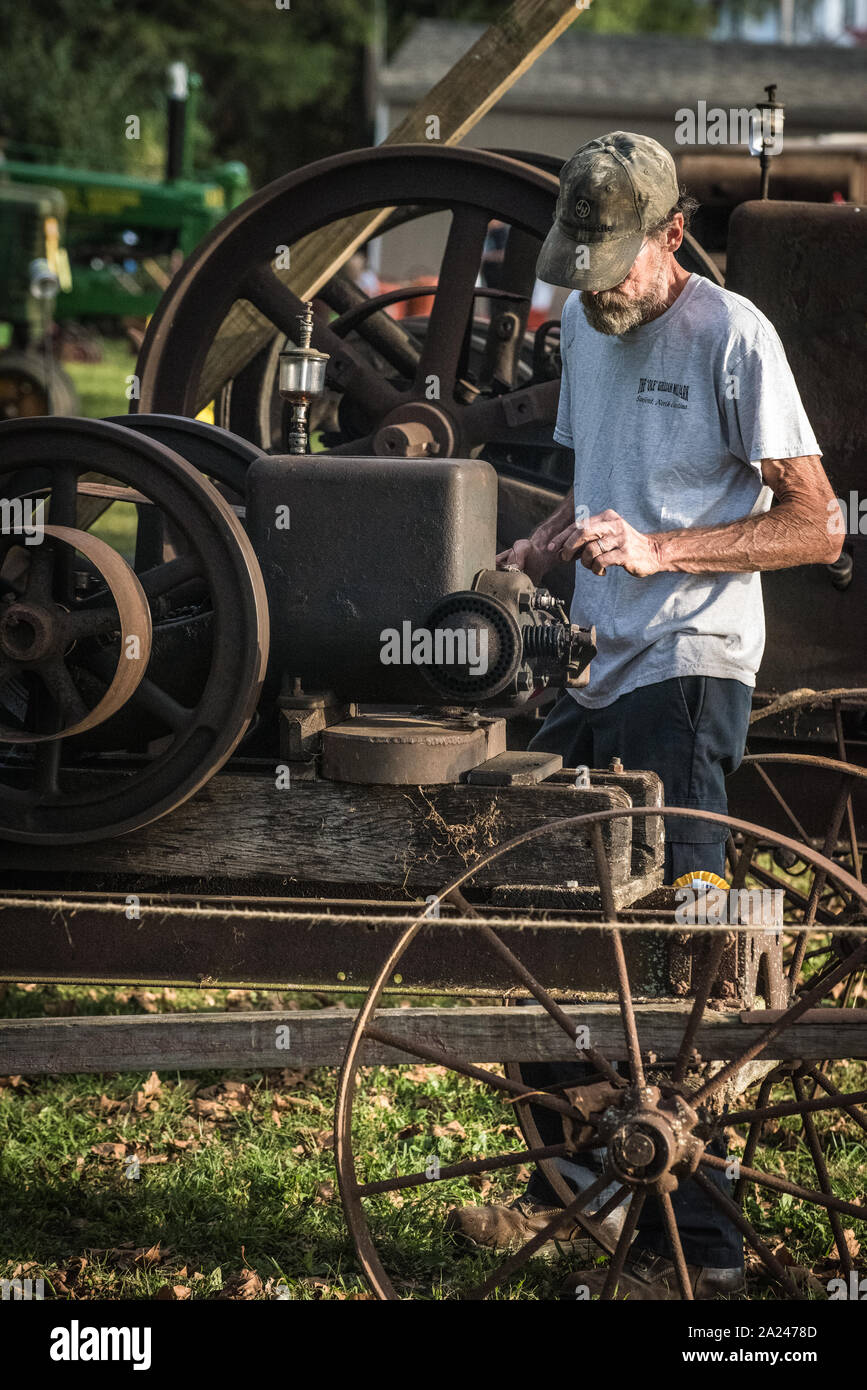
194,736
701,1162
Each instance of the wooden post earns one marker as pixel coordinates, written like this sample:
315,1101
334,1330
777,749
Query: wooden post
459,101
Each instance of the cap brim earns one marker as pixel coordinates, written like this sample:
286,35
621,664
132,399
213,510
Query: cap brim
608,262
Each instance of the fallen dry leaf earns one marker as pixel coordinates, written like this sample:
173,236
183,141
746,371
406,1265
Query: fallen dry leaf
244,1286
419,1073
145,999
108,1150
173,1291
453,1130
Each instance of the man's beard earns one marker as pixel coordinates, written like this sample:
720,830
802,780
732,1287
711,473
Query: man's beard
611,312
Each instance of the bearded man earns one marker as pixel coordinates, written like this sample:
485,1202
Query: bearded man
685,422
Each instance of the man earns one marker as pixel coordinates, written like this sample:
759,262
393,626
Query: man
684,418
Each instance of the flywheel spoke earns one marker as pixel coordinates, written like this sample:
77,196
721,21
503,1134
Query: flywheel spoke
452,309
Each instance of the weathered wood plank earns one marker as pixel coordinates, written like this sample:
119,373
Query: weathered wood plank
459,101
318,1038
163,942
245,828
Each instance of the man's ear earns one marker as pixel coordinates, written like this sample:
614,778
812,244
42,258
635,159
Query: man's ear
674,233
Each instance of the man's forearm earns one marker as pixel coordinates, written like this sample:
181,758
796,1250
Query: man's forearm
787,535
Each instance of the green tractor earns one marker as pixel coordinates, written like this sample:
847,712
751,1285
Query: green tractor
80,246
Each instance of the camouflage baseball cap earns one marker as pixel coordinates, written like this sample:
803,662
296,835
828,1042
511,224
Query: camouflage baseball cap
611,191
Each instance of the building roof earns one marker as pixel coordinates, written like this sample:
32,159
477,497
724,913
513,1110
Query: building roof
648,75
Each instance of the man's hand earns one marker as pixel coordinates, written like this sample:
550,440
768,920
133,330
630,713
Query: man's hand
533,559
605,540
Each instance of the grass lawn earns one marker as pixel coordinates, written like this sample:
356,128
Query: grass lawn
223,1185
102,386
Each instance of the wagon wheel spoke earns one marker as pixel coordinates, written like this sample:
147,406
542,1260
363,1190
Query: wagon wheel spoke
529,1248
618,1259
850,810
744,861
452,310
716,944
782,802
839,1101
538,991
277,302
807,1194
445,1059
624,991
750,1235
846,1103
467,1168
806,1001
824,916
756,1126
819,877
821,1168
684,1282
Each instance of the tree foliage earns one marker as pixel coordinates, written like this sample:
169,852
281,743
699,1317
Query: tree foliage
282,86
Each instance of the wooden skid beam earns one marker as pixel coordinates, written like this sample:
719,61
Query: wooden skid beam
193,1042
245,828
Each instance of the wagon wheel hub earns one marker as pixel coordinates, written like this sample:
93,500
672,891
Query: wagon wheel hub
650,1138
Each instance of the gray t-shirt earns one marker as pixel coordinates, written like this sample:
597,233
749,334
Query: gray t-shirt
669,424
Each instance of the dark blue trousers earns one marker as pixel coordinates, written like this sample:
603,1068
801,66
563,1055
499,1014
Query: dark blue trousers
691,731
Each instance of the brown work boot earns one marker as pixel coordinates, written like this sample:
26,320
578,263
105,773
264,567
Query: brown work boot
651,1278
499,1227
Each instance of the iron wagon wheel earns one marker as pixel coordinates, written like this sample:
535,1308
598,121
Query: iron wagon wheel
235,263
826,811
70,628
808,899
628,1117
